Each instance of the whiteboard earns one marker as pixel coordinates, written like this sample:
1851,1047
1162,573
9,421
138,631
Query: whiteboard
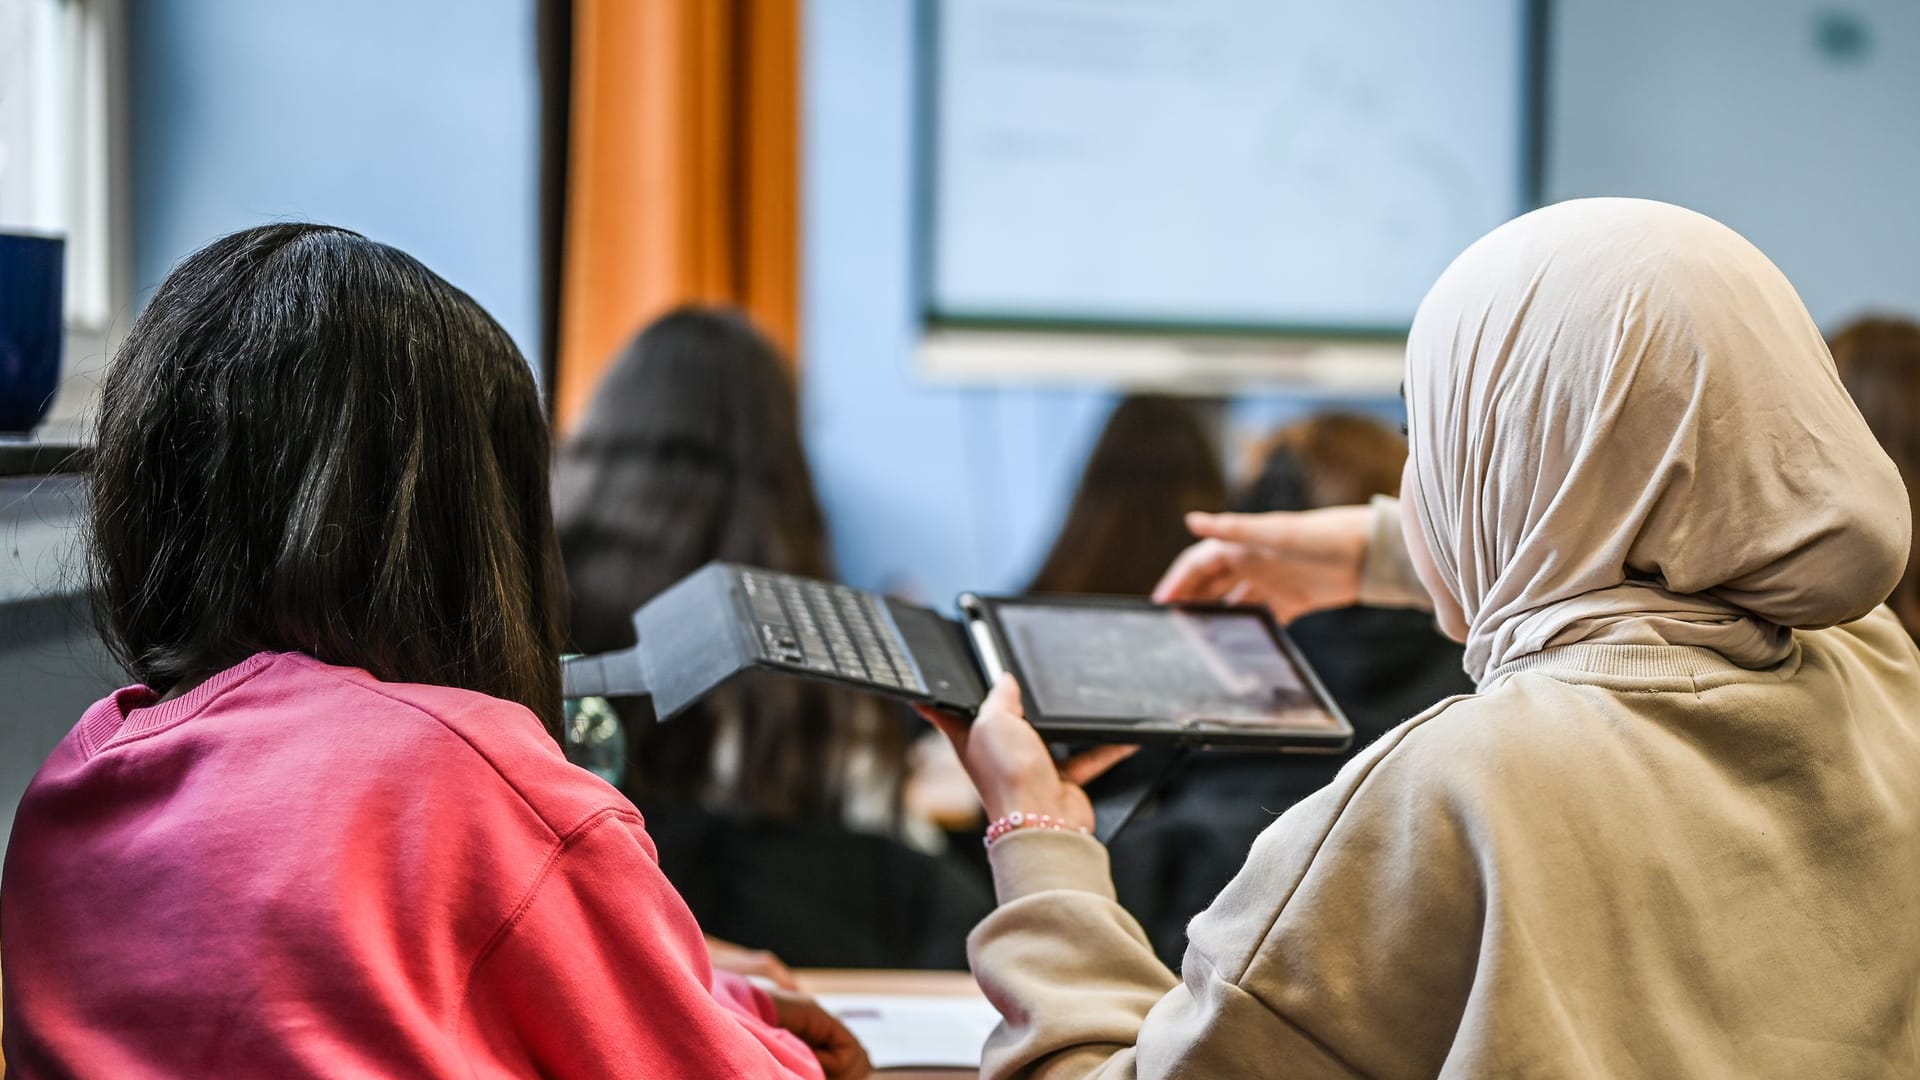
1268,165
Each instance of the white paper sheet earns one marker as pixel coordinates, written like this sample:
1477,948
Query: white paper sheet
907,1031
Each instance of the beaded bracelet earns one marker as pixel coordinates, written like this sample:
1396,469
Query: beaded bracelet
1019,820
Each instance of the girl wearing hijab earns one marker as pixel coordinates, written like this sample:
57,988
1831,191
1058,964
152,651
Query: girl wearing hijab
1676,830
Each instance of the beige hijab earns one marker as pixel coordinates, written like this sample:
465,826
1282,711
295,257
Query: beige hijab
1627,429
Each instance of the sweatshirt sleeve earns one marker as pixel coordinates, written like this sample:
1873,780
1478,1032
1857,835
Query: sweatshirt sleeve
1347,922
1080,990
1387,577
603,973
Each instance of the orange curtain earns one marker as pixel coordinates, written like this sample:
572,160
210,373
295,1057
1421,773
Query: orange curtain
682,174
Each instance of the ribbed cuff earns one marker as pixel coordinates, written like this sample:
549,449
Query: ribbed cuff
1029,861
1387,577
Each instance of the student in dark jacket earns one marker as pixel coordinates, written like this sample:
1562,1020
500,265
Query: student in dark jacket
1382,665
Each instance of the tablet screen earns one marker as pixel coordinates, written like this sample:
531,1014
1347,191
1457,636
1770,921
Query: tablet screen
1116,663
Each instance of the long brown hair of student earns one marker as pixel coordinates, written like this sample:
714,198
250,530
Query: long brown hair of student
690,451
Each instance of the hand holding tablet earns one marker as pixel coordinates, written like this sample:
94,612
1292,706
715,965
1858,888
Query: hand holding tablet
1012,768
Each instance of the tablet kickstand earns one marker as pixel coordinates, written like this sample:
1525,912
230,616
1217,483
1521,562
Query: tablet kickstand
1120,794
614,674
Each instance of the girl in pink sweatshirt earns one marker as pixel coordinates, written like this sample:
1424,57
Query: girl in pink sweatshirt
330,833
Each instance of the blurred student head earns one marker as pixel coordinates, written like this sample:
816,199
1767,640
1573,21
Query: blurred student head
1152,465
1382,664
1879,361
312,442
690,451
1332,459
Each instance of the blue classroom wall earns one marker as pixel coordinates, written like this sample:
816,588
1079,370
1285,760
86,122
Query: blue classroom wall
422,131
415,122
933,490
928,488
1793,121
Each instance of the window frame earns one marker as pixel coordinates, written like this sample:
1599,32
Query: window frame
80,181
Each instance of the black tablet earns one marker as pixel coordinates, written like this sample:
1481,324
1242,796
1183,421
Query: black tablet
1121,669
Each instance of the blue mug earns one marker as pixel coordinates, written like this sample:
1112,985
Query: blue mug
31,325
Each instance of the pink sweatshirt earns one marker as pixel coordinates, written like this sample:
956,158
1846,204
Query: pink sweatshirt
298,870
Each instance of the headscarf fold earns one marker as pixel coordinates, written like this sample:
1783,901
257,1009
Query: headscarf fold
1627,429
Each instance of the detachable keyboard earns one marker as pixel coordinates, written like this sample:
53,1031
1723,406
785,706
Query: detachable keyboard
1205,675
827,629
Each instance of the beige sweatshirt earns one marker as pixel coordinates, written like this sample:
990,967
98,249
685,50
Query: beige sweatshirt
1613,861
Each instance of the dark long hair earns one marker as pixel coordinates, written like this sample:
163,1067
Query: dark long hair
1879,360
690,451
1152,464
312,442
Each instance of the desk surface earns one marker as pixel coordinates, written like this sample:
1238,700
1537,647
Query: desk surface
918,983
